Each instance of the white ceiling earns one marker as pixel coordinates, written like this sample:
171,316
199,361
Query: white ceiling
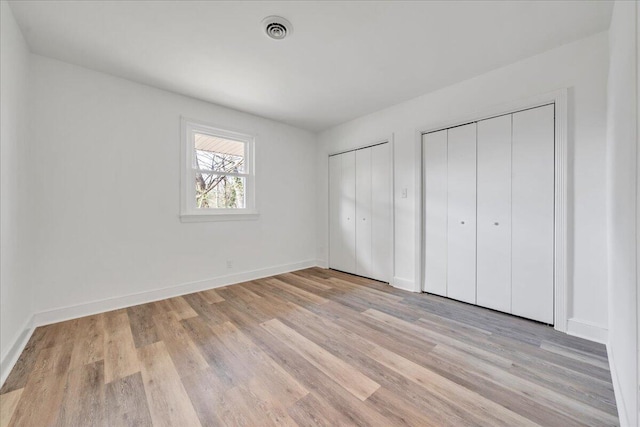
344,59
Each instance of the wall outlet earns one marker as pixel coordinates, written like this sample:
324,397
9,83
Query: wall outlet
404,193
229,264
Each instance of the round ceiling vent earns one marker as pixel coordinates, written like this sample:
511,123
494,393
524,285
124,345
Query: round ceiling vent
277,27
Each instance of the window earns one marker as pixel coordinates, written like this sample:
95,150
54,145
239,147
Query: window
217,174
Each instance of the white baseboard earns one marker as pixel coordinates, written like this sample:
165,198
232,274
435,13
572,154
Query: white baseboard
404,284
622,410
10,358
322,263
86,309
587,330
94,307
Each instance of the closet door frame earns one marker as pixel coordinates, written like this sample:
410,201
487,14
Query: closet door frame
559,99
386,140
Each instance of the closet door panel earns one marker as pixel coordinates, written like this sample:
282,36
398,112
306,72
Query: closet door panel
335,224
461,223
434,152
348,211
494,214
381,212
533,214
363,212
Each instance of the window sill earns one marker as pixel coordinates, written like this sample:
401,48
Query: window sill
212,217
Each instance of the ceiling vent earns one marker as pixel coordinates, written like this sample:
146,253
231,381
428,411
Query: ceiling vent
277,27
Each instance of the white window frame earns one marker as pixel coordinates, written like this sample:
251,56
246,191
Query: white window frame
188,210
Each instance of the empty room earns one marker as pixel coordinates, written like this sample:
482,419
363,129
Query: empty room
319,213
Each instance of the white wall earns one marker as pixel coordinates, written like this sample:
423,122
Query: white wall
106,180
582,67
15,292
622,167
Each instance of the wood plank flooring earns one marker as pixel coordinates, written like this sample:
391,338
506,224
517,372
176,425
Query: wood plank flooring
311,348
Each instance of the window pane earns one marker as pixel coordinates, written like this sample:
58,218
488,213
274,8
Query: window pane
220,191
218,154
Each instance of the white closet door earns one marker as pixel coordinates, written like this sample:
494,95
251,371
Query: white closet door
434,151
363,212
494,214
348,211
533,213
381,212
461,222
335,230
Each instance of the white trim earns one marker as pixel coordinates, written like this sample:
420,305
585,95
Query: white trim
187,195
327,252
230,216
322,263
10,358
419,241
392,217
560,232
100,306
86,309
404,284
587,330
559,98
617,391
636,105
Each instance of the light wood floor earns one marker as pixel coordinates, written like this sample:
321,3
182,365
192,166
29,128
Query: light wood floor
314,347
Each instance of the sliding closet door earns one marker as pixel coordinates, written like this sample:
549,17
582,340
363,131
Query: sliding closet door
461,222
533,213
381,212
363,212
434,151
494,214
